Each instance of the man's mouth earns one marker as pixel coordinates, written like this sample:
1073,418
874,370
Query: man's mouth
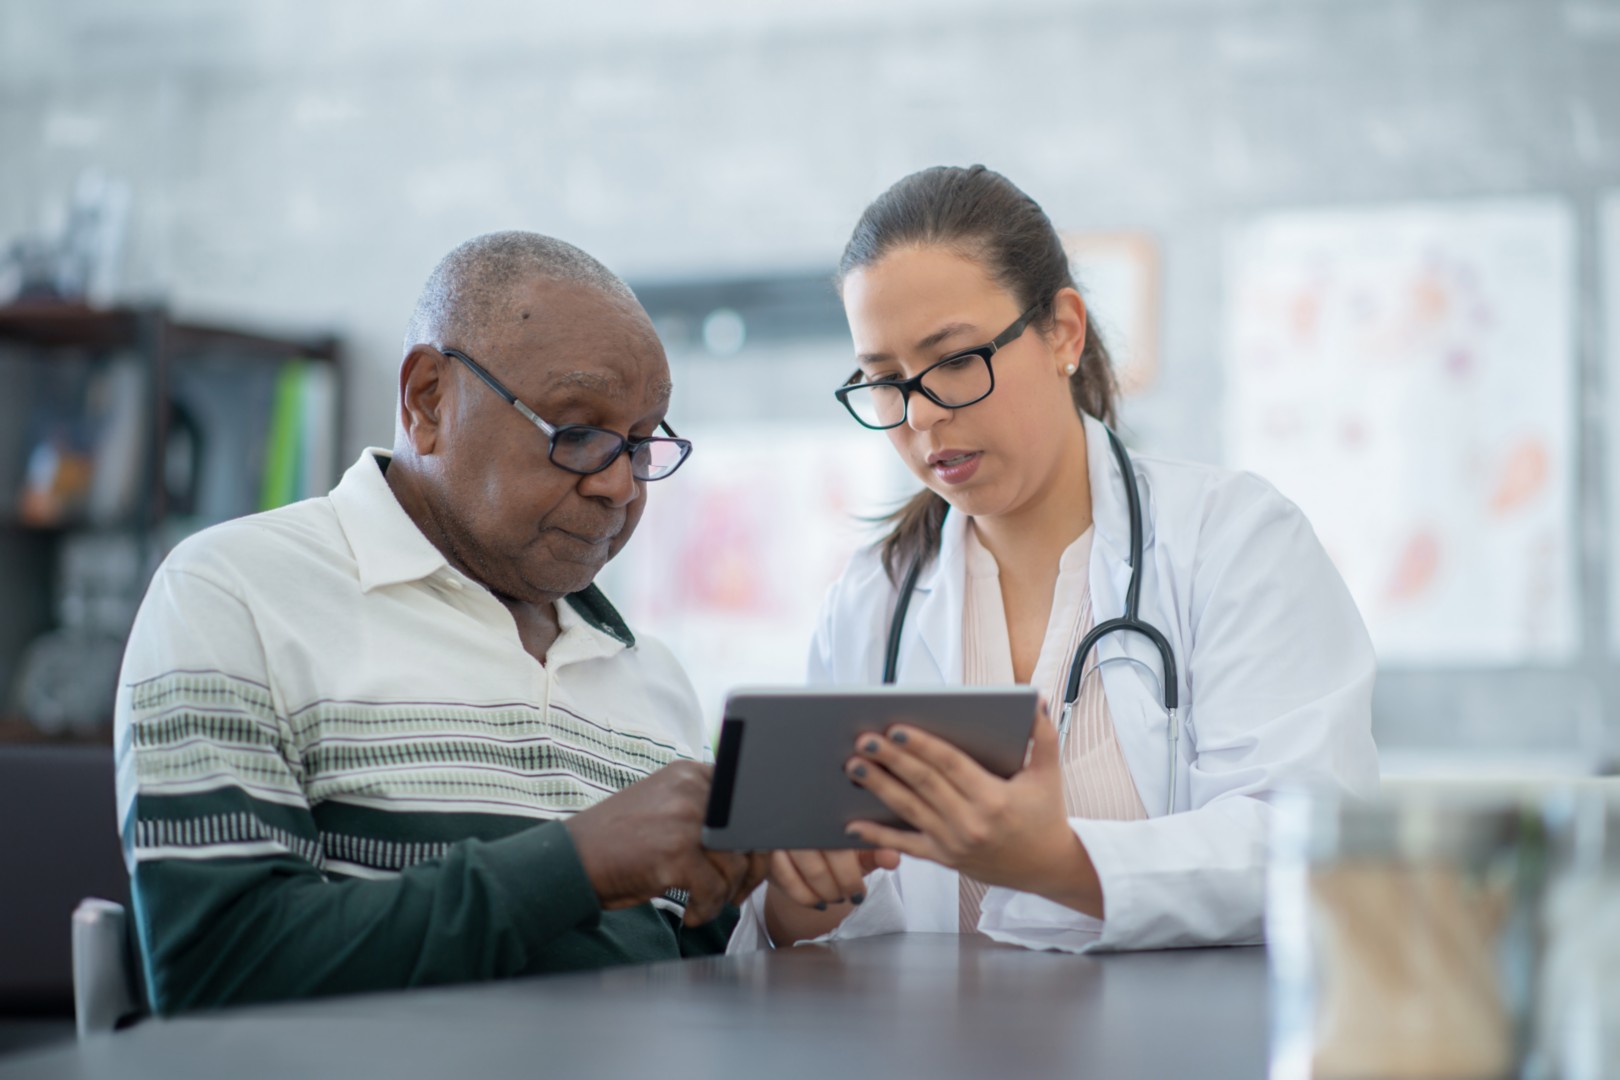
589,537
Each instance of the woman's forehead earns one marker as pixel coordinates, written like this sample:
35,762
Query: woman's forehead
917,299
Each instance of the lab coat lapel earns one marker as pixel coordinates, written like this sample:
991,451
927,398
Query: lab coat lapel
936,613
934,626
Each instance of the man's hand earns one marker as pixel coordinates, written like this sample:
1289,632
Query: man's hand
646,839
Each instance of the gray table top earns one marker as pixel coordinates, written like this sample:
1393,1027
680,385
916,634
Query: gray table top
931,1005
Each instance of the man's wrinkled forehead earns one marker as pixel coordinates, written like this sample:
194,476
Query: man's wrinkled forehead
656,385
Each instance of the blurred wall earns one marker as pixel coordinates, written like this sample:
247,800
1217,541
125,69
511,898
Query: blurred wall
307,163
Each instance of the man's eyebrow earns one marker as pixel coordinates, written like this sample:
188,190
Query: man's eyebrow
949,330
590,381
574,387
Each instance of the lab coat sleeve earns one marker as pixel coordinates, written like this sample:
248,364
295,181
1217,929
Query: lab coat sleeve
1279,676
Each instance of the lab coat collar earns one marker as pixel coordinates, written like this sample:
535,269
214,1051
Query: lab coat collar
939,594
1110,510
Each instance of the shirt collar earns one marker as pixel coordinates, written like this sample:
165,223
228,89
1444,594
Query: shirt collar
389,549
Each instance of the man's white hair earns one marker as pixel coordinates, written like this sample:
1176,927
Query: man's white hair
473,284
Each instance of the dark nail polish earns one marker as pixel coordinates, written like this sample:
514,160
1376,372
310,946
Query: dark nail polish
857,898
898,736
871,746
821,905
859,770
852,834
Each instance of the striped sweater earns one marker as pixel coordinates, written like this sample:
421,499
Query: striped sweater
338,769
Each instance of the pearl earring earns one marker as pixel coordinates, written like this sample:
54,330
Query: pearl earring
1069,369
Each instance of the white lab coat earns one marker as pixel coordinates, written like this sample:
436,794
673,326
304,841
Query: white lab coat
1275,677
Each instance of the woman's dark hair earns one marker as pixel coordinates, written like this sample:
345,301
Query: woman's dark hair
981,214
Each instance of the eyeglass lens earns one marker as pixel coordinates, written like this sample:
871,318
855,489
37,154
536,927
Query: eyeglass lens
954,383
588,450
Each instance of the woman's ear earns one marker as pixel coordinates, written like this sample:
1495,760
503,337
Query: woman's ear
1070,322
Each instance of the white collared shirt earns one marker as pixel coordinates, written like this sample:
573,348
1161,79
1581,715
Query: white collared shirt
386,670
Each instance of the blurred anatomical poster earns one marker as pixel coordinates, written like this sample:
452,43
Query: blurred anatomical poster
1407,375
735,552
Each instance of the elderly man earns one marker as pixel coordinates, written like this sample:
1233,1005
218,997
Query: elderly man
395,736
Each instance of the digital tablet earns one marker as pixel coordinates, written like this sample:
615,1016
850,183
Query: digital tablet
779,777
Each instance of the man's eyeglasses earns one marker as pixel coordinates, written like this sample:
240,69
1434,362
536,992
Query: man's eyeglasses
583,449
959,380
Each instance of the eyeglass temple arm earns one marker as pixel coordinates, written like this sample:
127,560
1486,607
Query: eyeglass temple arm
1017,328
478,370
495,384
512,399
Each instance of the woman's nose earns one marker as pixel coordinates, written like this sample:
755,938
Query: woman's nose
923,413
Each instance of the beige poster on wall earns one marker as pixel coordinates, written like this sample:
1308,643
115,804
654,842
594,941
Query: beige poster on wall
1118,274
1407,376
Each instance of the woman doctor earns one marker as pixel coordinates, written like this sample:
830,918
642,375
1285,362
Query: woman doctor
1139,826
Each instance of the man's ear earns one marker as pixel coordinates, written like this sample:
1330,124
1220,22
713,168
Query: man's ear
423,389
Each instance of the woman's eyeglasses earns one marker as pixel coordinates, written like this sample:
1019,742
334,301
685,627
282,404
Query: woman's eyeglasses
959,380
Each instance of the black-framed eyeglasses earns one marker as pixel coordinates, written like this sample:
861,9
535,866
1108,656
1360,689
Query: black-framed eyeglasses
955,382
584,449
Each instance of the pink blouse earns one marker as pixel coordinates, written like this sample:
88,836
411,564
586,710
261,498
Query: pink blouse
1096,779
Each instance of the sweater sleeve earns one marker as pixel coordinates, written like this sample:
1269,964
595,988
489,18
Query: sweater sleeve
233,901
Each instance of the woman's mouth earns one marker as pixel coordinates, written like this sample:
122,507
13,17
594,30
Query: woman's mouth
955,466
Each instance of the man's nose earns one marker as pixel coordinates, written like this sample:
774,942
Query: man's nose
615,485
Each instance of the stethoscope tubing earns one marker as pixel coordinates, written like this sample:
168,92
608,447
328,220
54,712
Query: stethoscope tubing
1130,622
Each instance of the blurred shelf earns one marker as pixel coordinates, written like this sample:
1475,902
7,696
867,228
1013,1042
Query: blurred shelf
17,731
197,379
72,325
190,337
62,325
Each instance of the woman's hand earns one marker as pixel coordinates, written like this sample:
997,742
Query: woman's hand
821,879
1013,832
810,892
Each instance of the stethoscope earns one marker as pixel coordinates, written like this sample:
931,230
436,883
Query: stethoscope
1128,622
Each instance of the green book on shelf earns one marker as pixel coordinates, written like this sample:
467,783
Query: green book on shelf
284,444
